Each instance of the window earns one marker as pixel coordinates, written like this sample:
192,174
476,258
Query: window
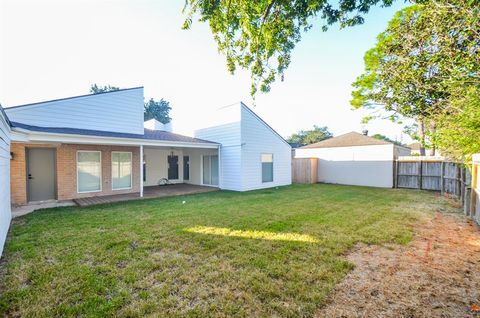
121,170
267,167
89,171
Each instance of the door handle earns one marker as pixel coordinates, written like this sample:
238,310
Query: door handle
30,177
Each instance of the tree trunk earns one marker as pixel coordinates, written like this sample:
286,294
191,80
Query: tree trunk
421,135
433,130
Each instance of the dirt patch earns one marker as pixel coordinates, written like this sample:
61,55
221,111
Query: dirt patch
436,275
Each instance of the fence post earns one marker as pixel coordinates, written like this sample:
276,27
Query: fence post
420,175
442,178
395,175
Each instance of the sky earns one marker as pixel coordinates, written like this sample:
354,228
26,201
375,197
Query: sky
54,49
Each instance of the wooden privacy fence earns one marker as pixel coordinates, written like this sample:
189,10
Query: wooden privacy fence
432,174
304,170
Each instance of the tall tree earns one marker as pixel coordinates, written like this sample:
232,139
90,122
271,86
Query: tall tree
306,137
260,35
95,89
426,54
157,109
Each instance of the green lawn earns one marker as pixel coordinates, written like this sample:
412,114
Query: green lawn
275,252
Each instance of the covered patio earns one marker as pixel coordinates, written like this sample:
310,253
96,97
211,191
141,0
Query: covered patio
148,192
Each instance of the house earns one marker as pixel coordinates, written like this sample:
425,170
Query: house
416,148
355,159
5,215
252,154
97,145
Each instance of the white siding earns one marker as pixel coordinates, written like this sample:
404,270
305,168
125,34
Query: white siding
228,135
258,138
120,111
5,213
359,165
244,137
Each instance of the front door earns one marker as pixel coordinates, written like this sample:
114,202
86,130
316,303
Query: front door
40,174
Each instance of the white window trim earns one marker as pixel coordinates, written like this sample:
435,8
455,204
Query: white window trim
131,170
261,167
101,175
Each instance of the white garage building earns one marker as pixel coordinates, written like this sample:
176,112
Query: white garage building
355,159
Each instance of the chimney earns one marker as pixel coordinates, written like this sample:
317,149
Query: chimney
154,124
365,132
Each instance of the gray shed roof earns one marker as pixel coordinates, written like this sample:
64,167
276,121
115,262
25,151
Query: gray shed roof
148,134
348,140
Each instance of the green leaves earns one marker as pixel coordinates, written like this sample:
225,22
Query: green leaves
314,135
424,61
261,35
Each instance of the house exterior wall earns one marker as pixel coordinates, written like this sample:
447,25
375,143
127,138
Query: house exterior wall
5,213
229,136
196,169
357,165
120,111
66,169
157,165
243,138
258,139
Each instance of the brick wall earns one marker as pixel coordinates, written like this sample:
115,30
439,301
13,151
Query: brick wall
67,171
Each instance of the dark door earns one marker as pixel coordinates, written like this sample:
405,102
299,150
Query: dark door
172,167
186,168
40,174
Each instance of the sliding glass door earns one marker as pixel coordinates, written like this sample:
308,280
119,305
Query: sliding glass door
210,170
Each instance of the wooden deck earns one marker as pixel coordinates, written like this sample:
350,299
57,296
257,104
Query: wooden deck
148,192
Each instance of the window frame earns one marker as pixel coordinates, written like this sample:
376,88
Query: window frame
261,166
131,170
101,172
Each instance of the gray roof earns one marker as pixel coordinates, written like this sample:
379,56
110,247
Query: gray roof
348,140
148,134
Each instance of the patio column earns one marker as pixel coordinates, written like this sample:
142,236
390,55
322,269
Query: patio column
141,171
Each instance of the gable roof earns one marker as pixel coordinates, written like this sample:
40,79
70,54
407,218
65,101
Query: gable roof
348,140
72,97
148,134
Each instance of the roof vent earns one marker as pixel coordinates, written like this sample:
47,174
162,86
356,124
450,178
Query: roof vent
365,132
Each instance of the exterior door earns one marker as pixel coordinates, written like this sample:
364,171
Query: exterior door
210,170
186,168
172,167
40,174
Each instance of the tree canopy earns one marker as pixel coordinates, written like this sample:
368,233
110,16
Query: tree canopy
260,35
423,63
306,137
157,109
95,89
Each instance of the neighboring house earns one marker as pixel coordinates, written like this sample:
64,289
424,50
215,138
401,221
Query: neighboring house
95,145
354,159
5,213
415,148
252,155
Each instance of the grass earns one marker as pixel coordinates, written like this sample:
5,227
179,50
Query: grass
275,252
